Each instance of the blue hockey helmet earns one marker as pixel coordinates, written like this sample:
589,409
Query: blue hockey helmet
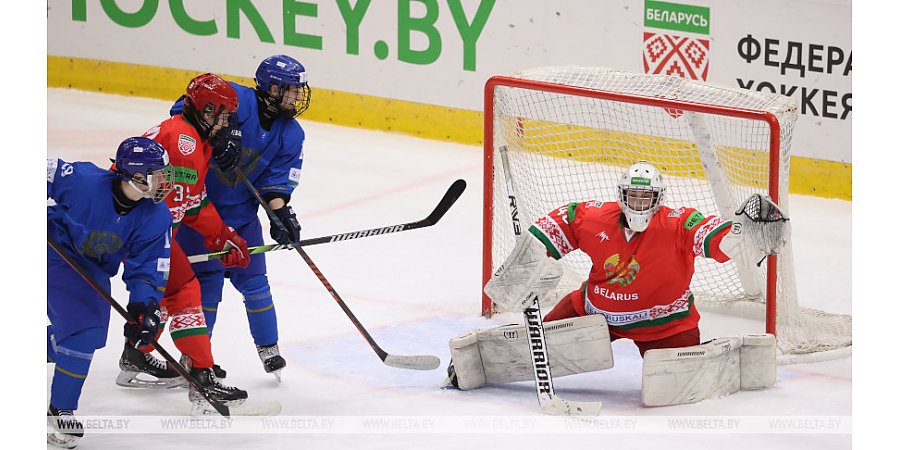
144,164
285,72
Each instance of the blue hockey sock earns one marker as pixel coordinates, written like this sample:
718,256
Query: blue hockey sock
260,308
73,359
210,296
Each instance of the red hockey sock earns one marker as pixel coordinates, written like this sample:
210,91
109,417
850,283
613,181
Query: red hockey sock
188,331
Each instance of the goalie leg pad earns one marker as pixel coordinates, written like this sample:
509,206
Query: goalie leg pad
676,376
758,361
502,354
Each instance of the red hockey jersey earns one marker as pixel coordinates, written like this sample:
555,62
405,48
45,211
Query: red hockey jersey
639,281
190,157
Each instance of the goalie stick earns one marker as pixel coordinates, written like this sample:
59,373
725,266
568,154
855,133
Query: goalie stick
453,192
415,362
219,407
540,359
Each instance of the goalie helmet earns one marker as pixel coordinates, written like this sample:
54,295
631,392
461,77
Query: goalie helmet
284,72
641,191
208,94
144,164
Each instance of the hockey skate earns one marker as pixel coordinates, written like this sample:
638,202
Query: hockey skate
186,363
452,382
271,359
63,429
227,395
133,363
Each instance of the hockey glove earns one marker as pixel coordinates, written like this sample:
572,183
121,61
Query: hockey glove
228,240
142,332
227,149
288,232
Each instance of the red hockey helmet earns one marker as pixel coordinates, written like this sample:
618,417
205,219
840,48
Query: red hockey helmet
210,93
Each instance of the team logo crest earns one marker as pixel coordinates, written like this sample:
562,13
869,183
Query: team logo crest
617,272
99,243
186,144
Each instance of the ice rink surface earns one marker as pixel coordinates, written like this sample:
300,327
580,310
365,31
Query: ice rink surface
416,290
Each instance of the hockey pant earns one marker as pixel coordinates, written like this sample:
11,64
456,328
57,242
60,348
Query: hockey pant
251,282
566,308
79,320
181,307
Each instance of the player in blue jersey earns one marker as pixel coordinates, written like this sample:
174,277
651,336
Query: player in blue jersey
101,218
272,155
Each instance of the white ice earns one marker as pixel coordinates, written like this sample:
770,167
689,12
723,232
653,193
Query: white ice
414,291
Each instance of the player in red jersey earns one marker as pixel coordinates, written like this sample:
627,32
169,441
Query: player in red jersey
192,138
638,287
642,256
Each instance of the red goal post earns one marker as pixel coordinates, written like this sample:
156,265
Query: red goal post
568,132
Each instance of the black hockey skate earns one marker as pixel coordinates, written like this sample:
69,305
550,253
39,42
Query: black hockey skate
271,359
134,363
63,429
186,363
220,372
227,395
452,382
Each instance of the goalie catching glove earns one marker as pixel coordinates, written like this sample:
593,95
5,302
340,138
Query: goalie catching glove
527,273
761,223
765,222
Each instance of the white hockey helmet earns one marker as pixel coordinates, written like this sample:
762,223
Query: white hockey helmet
641,191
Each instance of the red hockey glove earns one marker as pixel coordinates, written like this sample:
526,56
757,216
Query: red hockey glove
226,239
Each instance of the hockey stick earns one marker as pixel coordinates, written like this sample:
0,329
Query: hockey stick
219,407
456,189
418,362
540,359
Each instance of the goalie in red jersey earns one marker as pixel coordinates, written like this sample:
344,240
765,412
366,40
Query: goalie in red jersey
642,256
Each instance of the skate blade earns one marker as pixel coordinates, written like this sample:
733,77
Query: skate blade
61,440
132,380
272,408
277,374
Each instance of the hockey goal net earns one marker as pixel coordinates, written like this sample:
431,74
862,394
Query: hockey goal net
559,134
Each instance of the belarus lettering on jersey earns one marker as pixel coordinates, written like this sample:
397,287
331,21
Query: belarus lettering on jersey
638,281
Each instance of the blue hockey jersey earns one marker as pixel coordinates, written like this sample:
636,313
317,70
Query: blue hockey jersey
271,160
86,225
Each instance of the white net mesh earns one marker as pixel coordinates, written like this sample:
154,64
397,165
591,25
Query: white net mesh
564,147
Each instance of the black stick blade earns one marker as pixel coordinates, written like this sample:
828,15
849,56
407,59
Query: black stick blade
456,189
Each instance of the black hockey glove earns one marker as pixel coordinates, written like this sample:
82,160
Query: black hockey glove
291,232
143,332
226,148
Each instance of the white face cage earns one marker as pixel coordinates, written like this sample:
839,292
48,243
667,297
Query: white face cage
157,185
641,192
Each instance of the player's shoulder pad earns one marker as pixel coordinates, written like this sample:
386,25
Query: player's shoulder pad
687,218
160,214
58,168
246,101
293,134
